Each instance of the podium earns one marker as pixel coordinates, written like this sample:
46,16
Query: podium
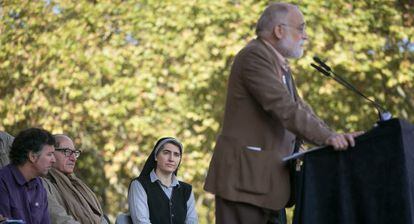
372,183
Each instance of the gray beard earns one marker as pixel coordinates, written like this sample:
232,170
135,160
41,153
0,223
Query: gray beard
287,53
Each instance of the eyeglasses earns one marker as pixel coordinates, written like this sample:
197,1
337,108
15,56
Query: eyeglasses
68,152
301,28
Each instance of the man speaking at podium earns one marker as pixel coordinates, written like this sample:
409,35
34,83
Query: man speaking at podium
264,118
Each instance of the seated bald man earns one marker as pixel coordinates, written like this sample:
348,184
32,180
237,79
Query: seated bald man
70,200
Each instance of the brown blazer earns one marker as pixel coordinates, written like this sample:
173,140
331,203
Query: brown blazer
261,122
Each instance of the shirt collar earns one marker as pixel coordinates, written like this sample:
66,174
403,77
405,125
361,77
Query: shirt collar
283,60
154,177
18,176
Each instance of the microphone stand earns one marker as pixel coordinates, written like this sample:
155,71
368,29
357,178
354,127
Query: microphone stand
383,114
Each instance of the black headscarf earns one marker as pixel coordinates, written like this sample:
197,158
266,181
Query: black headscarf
151,164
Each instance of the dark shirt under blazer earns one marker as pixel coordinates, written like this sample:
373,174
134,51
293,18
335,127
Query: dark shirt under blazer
261,123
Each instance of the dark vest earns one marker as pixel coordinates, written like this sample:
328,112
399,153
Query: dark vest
163,210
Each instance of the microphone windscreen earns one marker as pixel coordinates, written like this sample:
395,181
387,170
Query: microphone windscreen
321,70
321,63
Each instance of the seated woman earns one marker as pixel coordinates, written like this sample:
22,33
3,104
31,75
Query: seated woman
156,196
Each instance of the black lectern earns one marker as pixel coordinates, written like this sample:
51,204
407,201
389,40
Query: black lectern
372,183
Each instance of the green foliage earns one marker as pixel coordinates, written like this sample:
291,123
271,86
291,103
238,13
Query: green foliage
117,75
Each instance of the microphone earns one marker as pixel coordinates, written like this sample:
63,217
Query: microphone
322,64
336,78
323,68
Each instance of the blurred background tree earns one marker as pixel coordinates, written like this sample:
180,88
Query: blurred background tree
117,75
